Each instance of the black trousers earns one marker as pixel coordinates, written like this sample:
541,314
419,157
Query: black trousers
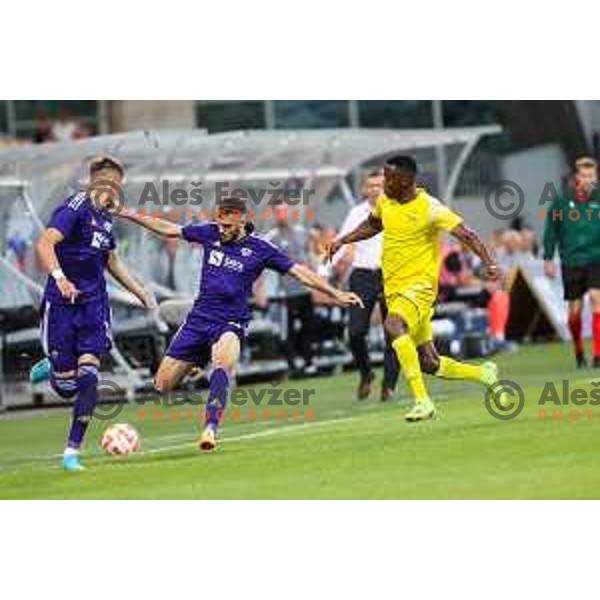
299,308
369,286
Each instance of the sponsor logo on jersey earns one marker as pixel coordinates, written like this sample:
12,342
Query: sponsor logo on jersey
215,258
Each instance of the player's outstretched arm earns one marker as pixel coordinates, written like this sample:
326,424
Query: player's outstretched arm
367,229
47,252
310,279
116,267
470,238
159,226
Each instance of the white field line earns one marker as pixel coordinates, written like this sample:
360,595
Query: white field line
257,434
35,461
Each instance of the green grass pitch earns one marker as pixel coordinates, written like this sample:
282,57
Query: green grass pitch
350,450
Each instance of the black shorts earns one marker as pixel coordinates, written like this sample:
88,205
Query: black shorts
578,280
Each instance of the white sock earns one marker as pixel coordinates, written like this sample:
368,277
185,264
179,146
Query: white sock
71,451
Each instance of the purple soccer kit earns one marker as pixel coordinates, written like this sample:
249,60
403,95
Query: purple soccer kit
228,273
71,329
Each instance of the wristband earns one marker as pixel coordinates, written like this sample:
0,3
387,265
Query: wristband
58,274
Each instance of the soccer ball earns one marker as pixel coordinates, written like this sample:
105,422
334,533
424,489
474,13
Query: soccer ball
120,440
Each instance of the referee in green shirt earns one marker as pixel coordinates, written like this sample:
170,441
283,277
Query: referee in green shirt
573,228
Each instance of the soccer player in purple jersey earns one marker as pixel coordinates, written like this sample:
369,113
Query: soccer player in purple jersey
75,249
233,259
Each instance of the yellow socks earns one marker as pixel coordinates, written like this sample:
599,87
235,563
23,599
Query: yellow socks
454,369
409,360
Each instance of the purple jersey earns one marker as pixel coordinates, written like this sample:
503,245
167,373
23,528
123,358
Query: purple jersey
229,271
83,253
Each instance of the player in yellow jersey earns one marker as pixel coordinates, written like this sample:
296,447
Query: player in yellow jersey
411,221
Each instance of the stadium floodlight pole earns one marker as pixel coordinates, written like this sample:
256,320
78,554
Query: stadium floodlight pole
270,114
437,111
353,114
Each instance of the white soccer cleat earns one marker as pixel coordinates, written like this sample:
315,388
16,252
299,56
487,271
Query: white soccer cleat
489,378
421,411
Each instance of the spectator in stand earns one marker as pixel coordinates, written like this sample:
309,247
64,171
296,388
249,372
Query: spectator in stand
83,131
529,244
65,128
293,239
510,255
43,128
461,278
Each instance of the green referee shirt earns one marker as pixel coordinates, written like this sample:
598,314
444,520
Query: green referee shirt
573,227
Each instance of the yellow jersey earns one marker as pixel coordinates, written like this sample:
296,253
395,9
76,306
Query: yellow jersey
411,243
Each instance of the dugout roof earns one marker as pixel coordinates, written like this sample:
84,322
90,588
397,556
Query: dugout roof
238,155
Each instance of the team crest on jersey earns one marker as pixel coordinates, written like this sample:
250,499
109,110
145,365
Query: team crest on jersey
246,252
108,226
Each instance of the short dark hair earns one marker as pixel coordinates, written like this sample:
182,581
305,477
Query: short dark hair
236,203
105,162
585,161
375,173
403,162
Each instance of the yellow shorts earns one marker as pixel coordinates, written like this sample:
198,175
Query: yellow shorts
416,313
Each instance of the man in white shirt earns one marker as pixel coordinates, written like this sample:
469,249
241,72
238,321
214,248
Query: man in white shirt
366,280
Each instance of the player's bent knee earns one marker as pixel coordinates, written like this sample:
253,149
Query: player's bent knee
88,359
394,326
226,352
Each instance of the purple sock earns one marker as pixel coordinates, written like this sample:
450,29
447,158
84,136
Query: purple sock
217,397
65,387
87,384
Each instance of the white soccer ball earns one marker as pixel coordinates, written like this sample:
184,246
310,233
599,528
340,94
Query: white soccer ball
120,440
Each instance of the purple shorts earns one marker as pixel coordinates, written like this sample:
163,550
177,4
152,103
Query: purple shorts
193,341
70,330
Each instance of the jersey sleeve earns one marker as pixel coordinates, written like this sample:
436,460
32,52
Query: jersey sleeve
200,233
444,218
275,259
551,232
66,216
